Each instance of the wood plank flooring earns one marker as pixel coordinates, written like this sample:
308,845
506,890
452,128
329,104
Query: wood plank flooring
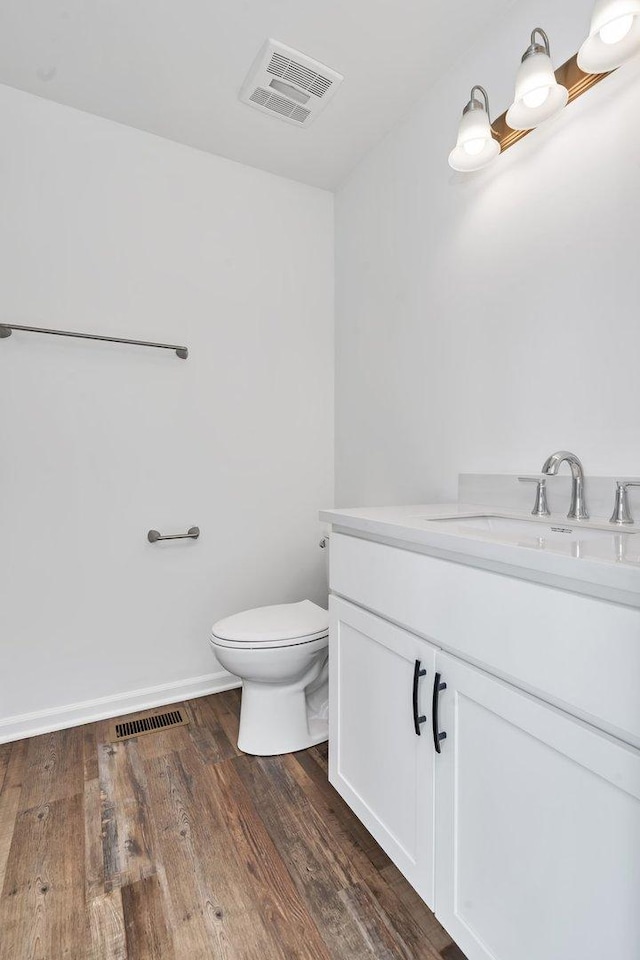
174,846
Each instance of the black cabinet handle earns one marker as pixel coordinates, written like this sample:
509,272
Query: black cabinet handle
437,735
417,720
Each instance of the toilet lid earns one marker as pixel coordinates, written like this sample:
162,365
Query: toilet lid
295,622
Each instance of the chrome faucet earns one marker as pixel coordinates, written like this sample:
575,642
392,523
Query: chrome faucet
578,509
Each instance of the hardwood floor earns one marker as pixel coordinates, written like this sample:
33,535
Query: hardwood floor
174,846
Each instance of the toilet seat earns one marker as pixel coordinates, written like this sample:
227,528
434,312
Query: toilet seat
278,625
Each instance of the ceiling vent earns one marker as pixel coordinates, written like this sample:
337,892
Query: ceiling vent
289,85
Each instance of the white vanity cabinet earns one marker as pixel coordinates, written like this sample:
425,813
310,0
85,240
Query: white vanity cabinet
523,831
382,757
537,827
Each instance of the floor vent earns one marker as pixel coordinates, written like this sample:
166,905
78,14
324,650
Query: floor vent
288,84
151,723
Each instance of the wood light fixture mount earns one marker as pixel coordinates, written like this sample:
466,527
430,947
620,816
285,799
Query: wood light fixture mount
569,75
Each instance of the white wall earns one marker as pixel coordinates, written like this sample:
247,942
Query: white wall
484,321
107,229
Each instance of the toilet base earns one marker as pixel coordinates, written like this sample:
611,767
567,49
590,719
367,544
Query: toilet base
276,721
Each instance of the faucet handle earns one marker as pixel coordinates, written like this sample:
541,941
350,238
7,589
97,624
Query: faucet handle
540,507
621,512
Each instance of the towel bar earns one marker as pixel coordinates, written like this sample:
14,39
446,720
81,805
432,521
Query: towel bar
6,330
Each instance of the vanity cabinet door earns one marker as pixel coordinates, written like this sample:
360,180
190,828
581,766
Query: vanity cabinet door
377,761
538,827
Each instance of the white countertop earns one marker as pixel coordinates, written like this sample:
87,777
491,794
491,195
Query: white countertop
607,568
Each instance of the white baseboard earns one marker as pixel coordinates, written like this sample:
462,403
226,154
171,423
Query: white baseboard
103,708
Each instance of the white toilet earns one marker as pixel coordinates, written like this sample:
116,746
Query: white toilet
281,655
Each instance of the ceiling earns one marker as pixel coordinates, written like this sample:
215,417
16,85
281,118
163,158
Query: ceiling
174,68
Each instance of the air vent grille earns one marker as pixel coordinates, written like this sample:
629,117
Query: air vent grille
147,724
289,85
286,108
294,72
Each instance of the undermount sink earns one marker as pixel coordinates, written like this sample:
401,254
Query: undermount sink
537,532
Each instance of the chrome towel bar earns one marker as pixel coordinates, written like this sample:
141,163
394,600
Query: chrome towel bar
6,330
192,534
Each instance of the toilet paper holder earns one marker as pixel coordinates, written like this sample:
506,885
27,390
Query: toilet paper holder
192,534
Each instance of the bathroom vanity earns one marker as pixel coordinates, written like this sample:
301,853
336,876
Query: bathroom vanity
485,719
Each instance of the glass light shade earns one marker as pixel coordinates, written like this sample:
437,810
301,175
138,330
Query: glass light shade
538,94
614,36
476,146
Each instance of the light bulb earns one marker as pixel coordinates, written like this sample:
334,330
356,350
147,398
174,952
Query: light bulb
535,98
474,147
617,30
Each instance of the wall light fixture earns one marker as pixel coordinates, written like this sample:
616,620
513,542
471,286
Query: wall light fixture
614,36
541,92
475,146
538,94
